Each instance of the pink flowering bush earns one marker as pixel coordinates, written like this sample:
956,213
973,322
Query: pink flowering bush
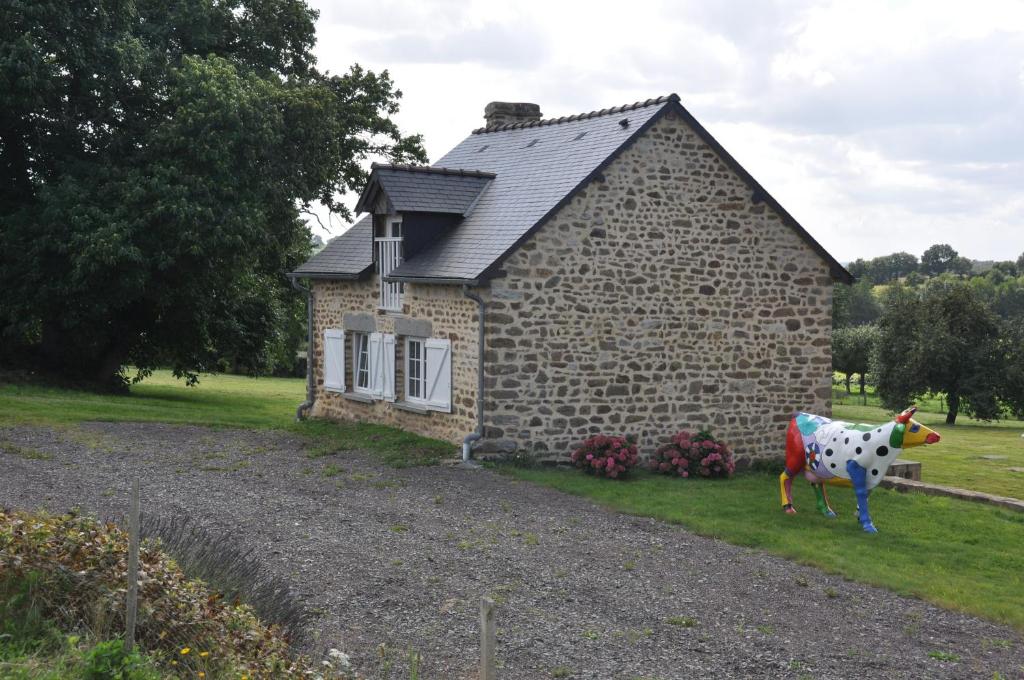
606,456
693,455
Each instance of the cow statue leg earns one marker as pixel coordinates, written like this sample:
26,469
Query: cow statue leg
824,507
859,477
786,491
795,462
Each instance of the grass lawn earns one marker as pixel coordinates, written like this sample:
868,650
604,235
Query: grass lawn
957,459
218,401
953,553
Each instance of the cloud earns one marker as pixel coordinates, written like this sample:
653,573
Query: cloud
514,46
865,119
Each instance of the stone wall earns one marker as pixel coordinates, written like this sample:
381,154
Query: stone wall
660,298
449,314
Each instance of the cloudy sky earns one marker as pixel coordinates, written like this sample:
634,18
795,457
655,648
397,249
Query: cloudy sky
881,126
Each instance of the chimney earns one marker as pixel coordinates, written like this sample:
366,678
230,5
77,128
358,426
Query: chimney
501,113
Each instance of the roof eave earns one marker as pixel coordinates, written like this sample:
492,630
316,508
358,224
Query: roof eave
344,276
837,270
437,281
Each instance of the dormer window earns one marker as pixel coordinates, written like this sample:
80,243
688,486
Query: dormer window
389,256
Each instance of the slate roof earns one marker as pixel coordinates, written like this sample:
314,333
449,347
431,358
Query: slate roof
411,188
528,171
537,165
345,256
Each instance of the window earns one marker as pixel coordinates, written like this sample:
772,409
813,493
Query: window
361,362
389,256
415,370
428,373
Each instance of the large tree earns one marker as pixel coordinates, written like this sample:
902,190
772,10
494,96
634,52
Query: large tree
943,339
938,259
155,159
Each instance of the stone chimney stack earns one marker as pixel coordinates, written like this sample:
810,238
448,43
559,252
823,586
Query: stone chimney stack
501,113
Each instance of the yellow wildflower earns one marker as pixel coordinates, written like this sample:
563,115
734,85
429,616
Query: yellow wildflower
186,650
204,654
202,674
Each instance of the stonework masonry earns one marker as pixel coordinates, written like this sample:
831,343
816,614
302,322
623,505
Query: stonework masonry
449,315
660,298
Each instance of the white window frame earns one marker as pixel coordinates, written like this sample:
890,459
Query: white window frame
422,370
390,257
357,368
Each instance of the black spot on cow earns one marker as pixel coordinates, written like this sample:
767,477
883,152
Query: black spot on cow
828,452
874,472
858,449
879,430
867,436
882,451
832,465
847,440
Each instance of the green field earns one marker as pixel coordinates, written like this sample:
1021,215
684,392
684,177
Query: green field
972,454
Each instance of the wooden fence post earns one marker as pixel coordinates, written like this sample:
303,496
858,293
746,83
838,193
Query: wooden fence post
132,600
488,669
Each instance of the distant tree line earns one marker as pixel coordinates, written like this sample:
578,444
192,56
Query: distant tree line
939,325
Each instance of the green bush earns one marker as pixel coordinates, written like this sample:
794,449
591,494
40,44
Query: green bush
110,661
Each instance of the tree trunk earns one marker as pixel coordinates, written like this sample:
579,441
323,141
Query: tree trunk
954,408
863,392
848,392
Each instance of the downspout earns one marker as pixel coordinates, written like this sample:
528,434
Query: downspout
467,443
303,410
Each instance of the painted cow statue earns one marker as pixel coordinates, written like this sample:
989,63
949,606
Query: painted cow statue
849,454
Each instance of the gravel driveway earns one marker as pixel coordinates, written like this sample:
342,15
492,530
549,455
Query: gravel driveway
402,557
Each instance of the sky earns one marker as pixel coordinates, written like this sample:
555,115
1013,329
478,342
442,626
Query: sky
880,126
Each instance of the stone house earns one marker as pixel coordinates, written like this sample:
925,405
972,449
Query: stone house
609,272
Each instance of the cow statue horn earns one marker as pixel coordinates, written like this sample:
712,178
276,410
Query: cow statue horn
906,415
848,454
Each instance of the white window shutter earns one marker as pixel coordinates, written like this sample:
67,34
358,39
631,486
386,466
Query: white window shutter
334,359
388,363
377,365
439,374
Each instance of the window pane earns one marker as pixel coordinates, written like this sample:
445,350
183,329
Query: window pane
416,369
362,360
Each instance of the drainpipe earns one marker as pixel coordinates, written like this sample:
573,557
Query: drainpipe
303,410
467,443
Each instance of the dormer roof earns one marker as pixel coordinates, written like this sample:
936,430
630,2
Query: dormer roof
411,188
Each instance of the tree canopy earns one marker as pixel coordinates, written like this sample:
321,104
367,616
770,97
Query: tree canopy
155,159
938,259
942,338
853,352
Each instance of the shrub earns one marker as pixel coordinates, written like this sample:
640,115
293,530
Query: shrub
72,568
689,455
606,456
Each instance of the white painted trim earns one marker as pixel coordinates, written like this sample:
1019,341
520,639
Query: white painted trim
420,401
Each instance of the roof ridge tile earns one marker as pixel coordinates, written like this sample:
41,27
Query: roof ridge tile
578,116
457,172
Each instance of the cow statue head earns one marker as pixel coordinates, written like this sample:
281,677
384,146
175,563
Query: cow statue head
911,433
